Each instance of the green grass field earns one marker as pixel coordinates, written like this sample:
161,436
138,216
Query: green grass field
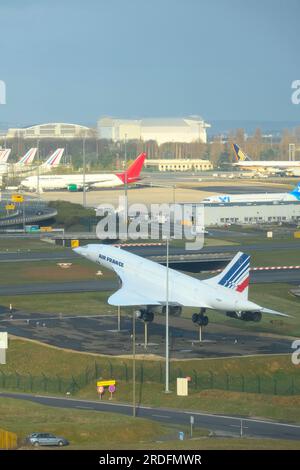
90,430
50,271
81,303
25,244
27,357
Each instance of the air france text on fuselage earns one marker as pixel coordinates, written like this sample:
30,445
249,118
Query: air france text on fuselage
111,260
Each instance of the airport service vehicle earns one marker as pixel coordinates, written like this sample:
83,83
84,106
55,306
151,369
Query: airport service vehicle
253,198
37,439
272,166
144,286
75,182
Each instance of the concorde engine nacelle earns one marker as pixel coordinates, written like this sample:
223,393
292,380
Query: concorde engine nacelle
174,310
245,316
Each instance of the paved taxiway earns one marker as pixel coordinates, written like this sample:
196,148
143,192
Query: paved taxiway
98,334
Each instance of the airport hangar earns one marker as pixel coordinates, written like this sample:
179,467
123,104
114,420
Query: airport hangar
249,213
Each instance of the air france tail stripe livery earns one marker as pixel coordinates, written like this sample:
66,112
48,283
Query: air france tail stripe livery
144,283
4,154
28,158
54,159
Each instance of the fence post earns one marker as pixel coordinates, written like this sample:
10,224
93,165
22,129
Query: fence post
31,382
293,386
211,379
17,380
126,371
227,381
195,378
45,381
111,369
275,386
243,383
258,384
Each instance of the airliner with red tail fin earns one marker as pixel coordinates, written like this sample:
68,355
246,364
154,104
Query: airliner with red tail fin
75,182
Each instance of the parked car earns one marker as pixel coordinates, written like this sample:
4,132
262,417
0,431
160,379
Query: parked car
45,439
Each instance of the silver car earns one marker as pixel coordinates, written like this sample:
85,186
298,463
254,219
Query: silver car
46,439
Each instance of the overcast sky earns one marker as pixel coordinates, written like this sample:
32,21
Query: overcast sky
76,60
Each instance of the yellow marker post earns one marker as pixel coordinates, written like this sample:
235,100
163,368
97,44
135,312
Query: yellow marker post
17,198
74,243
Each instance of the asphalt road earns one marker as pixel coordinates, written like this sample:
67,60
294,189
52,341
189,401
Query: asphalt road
15,256
290,276
223,424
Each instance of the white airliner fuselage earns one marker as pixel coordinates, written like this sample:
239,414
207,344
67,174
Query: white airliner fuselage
52,182
144,282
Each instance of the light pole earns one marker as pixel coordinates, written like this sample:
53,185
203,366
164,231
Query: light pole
38,167
133,365
125,187
167,389
84,170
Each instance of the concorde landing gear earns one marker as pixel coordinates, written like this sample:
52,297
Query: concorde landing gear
147,316
201,320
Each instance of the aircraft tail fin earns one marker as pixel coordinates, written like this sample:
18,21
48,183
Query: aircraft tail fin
235,276
296,192
239,154
28,157
4,154
134,170
54,159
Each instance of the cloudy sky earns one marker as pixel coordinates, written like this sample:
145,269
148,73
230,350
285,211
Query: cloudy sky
76,60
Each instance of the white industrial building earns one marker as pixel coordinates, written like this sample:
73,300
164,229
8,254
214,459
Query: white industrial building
161,130
179,164
53,130
216,214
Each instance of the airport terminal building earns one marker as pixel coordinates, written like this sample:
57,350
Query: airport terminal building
216,214
161,130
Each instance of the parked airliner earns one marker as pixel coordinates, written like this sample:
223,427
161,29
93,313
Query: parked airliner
75,182
293,195
271,166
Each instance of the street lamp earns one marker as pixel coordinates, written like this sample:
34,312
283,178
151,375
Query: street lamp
133,366
167,389
84,170
125,186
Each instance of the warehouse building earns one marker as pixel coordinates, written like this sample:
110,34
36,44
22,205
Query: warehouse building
179,164
249,214
54,130
161,130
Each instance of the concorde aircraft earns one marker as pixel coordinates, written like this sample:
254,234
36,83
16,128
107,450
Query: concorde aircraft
144,286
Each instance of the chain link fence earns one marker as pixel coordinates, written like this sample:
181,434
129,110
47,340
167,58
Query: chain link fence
276,384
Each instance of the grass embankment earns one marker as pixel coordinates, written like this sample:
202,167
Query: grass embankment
26,244
25,357
32,272
90,430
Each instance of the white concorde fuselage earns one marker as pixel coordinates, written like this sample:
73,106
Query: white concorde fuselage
144,282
